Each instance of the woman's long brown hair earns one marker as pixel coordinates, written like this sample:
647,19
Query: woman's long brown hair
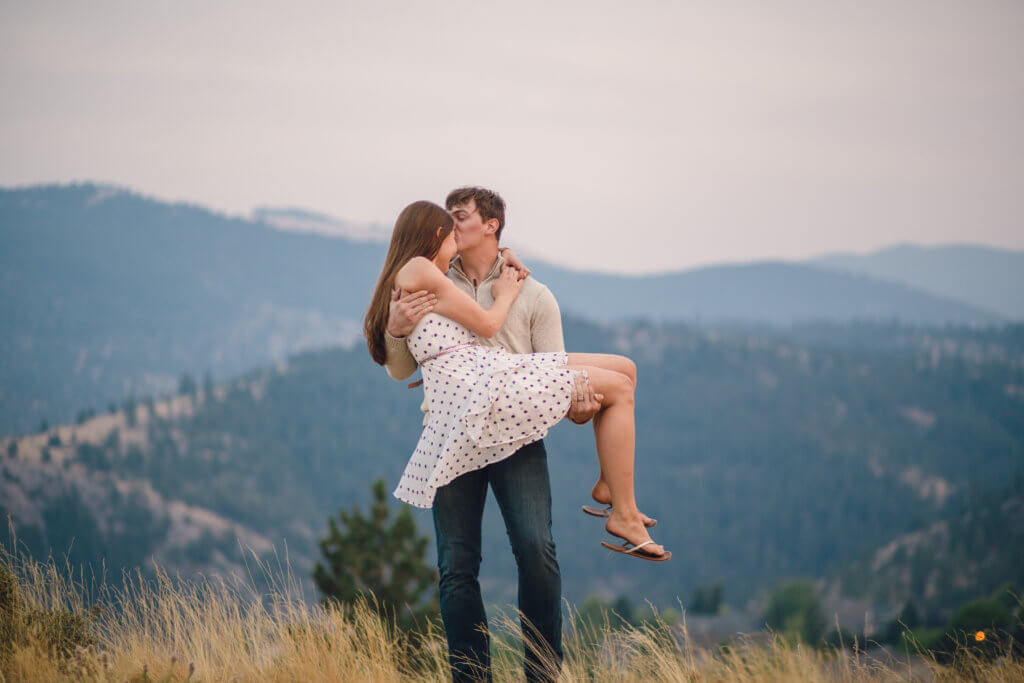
415,234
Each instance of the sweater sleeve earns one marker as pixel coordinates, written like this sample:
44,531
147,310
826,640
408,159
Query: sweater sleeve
398,360
546,323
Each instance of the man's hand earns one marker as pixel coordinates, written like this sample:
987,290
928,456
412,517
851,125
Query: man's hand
512,260
406,310
585,403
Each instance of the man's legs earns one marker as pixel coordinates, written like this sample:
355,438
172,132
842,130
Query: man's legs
458,513
523,491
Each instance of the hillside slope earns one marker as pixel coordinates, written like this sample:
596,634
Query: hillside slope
760,457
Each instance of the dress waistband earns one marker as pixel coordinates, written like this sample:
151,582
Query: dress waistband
440,353
449,350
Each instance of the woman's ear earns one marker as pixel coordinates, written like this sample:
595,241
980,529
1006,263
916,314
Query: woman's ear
438,232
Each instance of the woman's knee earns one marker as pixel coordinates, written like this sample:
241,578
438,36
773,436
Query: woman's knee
623,365
619,387
629,369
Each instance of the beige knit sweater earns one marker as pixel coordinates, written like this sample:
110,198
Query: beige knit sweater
534,322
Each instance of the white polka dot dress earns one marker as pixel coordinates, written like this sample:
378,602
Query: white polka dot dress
483,402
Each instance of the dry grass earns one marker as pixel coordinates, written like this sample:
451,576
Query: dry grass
174,629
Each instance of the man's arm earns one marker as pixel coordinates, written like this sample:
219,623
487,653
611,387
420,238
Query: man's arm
546,323
398,360
404,312
513,260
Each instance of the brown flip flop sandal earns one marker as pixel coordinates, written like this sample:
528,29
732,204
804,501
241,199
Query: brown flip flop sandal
598,512
636,552
607,512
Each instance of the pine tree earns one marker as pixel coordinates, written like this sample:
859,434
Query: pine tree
129,411
707,600
380,560
187,384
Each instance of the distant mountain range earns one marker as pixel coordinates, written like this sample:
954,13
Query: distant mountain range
107,293
301,220
774,292
988,278
985,278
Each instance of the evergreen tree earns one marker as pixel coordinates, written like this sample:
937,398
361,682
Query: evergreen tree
794,610
129,411
187,384
379,559
624,608
707,600
907,620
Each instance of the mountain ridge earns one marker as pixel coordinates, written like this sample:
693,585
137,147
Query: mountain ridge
975,274
108,292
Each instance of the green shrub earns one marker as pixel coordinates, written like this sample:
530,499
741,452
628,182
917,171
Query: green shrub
10,614
58,632
921,640
794,610
840,638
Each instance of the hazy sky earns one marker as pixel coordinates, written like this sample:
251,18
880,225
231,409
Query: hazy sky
624,136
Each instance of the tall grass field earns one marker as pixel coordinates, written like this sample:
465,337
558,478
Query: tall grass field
59,626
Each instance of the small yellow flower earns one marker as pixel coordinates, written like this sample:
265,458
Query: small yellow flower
979,636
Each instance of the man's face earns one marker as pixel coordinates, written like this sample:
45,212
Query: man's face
470,228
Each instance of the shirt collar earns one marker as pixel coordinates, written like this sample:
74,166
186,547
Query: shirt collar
495,269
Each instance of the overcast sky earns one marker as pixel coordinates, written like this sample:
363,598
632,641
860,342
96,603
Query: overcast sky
632,137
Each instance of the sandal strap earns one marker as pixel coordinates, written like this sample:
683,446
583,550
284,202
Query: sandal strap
637,547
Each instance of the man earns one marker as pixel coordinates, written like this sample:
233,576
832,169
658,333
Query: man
520,482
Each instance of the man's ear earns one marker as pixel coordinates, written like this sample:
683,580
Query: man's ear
492,226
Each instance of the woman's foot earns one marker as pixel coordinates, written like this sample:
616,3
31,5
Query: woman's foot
602,494
632,529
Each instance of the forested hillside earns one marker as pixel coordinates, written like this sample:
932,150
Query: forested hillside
760,456
107,294
959,556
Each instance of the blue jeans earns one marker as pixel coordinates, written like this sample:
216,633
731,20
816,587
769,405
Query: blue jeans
523,491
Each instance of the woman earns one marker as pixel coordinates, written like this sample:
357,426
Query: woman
484,402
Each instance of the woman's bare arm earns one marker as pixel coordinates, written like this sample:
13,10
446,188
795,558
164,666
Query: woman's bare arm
452,302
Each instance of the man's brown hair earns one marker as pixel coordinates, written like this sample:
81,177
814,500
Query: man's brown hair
488,203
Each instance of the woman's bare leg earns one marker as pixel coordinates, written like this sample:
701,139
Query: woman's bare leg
616,439
601,492
608,361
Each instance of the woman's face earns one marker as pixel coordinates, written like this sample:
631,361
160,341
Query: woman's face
449,248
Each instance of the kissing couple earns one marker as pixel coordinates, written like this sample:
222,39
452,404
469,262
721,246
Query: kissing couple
496,377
